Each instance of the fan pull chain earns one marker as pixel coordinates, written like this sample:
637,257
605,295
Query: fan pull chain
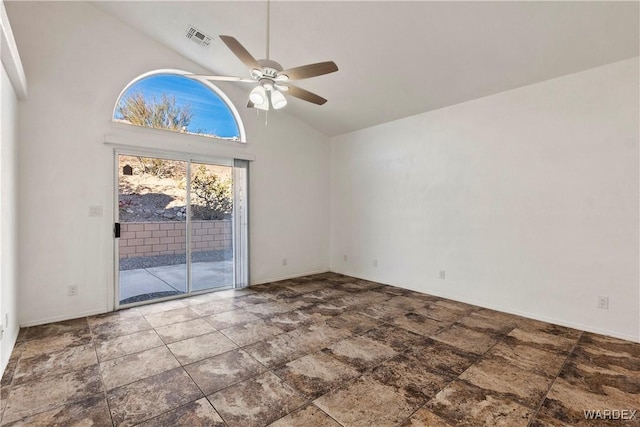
266,116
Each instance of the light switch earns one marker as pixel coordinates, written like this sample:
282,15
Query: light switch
95,210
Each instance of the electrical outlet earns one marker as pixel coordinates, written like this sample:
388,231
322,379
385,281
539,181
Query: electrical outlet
603,302
443,274
72,291
284,261
375,262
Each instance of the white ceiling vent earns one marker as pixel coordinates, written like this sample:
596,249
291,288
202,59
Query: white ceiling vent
197,36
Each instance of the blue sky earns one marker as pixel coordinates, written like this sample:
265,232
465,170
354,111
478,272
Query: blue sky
210,113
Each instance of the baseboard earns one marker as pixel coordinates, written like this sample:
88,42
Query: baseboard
528,315
102,311
293,276
62,318
536,316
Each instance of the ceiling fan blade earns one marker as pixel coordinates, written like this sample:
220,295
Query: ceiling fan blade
311,70
220,78
242,53
304,94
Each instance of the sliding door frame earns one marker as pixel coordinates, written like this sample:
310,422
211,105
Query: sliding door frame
239,224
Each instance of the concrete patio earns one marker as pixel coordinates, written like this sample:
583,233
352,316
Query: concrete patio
171,279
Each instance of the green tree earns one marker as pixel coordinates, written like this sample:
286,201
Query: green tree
213,194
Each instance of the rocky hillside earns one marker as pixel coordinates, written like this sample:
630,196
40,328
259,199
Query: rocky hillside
158,194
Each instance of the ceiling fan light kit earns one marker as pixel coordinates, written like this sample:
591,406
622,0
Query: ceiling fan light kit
278,100
271,79
258,95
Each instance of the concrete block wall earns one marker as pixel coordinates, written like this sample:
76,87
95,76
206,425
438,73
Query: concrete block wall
139,239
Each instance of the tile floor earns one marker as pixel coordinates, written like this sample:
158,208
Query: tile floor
323,350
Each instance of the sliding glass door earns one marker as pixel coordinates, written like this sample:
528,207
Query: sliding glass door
177,228
211,231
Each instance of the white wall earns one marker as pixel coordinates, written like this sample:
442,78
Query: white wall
77,60
12,85
8,219
528,200
289,205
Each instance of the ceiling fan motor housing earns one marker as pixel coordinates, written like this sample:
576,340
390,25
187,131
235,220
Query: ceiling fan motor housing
270,66
267,83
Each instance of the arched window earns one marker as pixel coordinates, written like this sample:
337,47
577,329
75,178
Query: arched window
168,100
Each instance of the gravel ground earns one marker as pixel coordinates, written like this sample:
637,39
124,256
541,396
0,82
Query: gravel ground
146,297
160,260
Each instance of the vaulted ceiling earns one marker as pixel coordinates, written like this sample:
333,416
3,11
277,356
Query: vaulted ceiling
396,58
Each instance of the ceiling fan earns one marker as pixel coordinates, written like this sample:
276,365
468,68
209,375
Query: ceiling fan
272,80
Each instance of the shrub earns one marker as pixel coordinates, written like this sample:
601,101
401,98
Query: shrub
213,195
155,167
